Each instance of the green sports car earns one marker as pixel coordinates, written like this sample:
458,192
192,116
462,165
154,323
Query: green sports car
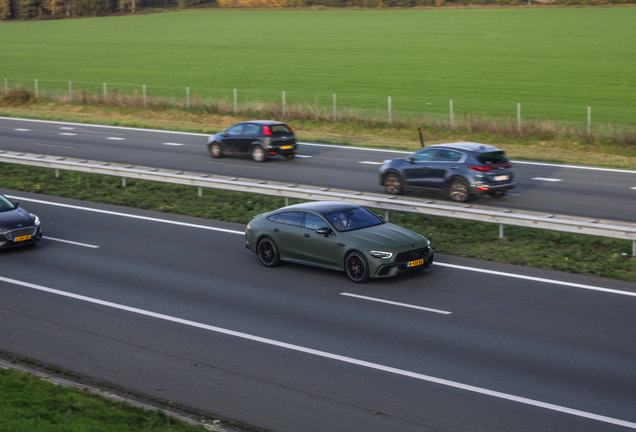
337,236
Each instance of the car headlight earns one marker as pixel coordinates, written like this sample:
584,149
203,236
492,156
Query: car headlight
380,254
36,220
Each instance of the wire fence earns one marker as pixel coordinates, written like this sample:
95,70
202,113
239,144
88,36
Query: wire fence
513,116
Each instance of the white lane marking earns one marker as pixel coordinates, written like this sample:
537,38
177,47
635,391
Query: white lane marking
537,279
331,356
633,187
53,145
437,263
22,130
547,179
617,170
353,148
116,138
396,303
173,144
303,156
71,242
371,163
127,215
66,128
68,133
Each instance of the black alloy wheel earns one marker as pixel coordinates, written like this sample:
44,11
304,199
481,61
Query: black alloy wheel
458,191
215,150
356,267
393,184
258,154
268,252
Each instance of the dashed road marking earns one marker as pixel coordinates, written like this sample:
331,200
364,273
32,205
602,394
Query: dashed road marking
396,303
547,179
22,130
173,144
116,138
68,133
371,163
71,242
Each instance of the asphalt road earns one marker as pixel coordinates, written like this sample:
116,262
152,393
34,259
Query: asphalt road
177,308
597,193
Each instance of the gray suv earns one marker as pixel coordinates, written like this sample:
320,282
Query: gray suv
461,170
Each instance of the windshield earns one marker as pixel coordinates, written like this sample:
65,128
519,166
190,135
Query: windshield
353,219
5,204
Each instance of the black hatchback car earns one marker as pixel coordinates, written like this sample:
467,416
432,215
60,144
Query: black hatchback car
461,170
258,138
18,227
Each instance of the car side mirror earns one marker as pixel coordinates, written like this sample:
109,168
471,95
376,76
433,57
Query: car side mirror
410,159
324,231
381,218
17,204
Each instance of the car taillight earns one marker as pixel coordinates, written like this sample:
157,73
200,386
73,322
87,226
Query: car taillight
480,168
249,227
267,130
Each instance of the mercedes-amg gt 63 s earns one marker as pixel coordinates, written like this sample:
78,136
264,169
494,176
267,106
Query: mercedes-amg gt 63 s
18,227
338,236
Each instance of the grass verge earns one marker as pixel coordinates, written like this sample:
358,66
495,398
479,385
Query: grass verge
579,254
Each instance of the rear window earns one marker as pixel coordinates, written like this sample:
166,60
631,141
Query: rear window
280,129
493,158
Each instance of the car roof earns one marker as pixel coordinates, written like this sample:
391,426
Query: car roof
263,122
468,146
322,207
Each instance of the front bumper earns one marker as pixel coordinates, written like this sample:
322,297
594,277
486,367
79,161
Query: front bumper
7,243
379,269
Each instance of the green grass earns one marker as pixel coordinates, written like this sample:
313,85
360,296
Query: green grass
29,404
555,61
572,253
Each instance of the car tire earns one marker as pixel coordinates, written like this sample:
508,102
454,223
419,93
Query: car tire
357,267
498,194
215,150
268,252
458,190
258,154
393,184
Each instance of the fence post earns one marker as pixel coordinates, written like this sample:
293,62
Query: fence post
70,90
335,115
589,121
518,118
389,109
451,113
6,86
144,94
283,103
37,92
105,94
187,97
235,101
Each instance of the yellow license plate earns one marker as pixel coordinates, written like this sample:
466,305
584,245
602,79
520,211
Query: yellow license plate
415,263
286,147
22,238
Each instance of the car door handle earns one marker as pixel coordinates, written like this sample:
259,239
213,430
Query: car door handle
276,230
306,235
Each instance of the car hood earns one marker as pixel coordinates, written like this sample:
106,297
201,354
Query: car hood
12,218
386,235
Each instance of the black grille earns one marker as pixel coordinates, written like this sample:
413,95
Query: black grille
10,235
412,255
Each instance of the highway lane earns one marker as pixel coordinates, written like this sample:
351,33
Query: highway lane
552,188
286,350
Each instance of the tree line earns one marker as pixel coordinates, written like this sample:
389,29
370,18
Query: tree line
51,9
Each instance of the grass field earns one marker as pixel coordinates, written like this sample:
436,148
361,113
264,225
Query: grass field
555,61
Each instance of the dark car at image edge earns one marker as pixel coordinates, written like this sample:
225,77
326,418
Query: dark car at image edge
338,236
461,170
259,139
18,227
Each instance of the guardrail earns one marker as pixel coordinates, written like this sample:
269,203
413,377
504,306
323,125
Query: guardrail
601,228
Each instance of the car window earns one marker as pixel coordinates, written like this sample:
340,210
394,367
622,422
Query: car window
6,204
252,129
293,218
274,217
280,129
313,222
448,156
353,219
235,130
493,158
424,155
